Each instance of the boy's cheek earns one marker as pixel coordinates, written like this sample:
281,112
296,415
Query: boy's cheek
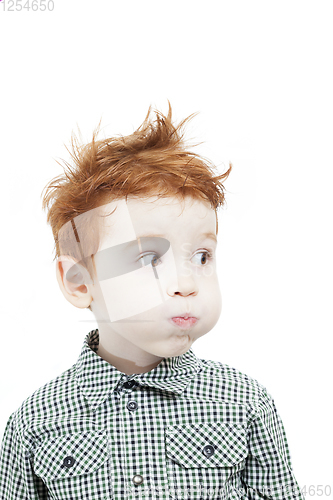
190,271
136,292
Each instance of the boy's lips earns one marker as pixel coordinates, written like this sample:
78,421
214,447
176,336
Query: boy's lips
184,321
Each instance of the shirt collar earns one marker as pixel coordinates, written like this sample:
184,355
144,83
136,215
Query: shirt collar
97,378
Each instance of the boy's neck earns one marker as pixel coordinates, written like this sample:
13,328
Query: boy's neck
125,365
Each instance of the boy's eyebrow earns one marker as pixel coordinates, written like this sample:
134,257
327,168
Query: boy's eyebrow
205,235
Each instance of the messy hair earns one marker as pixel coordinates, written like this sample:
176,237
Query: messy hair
152,161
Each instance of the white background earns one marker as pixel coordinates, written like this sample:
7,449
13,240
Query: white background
260,74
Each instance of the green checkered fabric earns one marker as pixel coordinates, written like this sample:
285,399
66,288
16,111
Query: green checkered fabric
189,428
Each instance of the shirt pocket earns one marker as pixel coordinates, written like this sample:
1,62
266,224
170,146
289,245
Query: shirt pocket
75,466
202,457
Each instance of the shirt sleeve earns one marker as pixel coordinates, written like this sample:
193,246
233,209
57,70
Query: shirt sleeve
17,478
268,471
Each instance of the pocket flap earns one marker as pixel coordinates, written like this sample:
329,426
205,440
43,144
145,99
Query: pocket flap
71,455
206,444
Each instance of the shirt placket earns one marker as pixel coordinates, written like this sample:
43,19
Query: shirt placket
134,461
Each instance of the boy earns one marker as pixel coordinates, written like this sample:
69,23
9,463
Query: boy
139,415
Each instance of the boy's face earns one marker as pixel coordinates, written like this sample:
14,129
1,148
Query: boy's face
153,265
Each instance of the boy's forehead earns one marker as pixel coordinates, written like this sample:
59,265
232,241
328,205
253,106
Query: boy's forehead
125,221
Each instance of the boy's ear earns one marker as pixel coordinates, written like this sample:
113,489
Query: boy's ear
73,279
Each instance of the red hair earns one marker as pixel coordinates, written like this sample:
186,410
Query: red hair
153,161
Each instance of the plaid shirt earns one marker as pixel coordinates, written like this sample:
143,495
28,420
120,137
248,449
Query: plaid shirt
189,428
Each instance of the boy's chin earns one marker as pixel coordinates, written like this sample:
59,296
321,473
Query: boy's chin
176,346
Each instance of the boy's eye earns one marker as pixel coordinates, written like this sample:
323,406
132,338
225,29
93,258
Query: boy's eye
207,256
148,260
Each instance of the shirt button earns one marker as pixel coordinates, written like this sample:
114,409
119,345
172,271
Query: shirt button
132,405
129,384
208,451
68,462
137,479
